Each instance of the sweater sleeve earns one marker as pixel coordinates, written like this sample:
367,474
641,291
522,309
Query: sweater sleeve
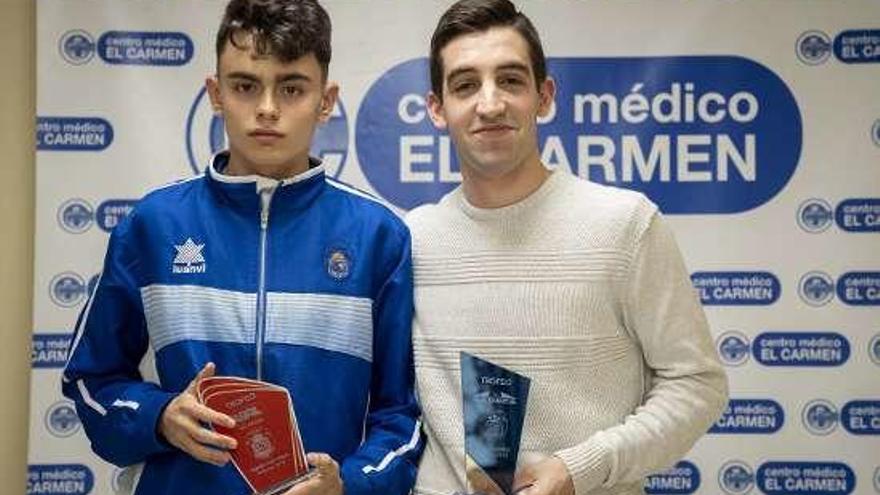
687,387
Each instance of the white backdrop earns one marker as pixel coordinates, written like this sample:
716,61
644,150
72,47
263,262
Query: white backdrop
755,125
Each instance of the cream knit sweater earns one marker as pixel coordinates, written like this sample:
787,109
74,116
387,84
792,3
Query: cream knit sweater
580,287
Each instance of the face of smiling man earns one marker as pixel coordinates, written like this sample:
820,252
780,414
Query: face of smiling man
271,109
490,105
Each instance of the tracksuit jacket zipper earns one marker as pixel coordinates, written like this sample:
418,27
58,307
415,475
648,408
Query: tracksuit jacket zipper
266,194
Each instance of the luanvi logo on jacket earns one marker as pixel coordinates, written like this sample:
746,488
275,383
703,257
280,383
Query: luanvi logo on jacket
189,258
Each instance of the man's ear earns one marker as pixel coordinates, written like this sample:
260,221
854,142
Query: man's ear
328,101
546,95
435,110
213,87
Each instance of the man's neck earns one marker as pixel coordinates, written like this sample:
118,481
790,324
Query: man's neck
504,190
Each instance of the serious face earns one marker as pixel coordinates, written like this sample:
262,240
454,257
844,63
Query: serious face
271,109
491,102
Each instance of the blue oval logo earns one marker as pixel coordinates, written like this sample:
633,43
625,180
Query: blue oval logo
820,417
696,134
73,134
75,215
736,478
145,48
682,479
816,288
206,135
59,479
61,419
736,288
801,349
858,215
76,46
112,211
861,417
807,478
859,288
858,46
733,348
403,156
813,47
814,215
874,349
750,416
67,289
49,350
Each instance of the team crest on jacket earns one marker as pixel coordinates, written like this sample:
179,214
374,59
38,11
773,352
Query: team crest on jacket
338,263
189,258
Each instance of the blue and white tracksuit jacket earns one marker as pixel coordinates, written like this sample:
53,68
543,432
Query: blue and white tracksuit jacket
306,283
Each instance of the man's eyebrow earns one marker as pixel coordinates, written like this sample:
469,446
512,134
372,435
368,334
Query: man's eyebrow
510,66
243,75
459,72
293,76
515,66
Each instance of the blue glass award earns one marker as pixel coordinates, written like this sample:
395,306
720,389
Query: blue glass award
494,406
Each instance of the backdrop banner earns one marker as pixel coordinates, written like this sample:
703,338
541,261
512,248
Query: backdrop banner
754,125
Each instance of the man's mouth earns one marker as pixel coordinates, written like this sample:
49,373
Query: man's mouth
265,135
492,130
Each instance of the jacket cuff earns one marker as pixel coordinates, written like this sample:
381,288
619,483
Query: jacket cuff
353,480
151,409
588,464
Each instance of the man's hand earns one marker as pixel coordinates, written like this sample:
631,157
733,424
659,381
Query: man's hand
479,482
325,482
181,425
547,477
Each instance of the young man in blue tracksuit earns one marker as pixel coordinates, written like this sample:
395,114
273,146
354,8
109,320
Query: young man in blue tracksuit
263,268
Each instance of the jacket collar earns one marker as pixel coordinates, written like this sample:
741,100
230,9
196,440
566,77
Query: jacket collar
243,191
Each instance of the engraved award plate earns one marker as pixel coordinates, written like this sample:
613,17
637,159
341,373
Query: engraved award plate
270,454
494,405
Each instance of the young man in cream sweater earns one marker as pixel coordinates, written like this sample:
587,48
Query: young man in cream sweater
578,286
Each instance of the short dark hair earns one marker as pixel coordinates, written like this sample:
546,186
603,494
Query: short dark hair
474,16
285,29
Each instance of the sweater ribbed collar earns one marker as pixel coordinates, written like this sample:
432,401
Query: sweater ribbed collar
527,204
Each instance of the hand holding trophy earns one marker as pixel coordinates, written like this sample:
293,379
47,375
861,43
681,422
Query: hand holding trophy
269,453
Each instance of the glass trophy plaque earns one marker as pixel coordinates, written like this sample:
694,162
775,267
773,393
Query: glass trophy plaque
494,406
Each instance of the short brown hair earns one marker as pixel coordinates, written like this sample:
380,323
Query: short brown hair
285,29
474,16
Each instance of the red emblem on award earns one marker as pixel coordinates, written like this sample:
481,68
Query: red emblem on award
270,454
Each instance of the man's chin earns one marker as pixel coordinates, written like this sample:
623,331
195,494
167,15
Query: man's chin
494,166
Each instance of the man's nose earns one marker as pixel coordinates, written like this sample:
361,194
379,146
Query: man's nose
490,103
268,105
